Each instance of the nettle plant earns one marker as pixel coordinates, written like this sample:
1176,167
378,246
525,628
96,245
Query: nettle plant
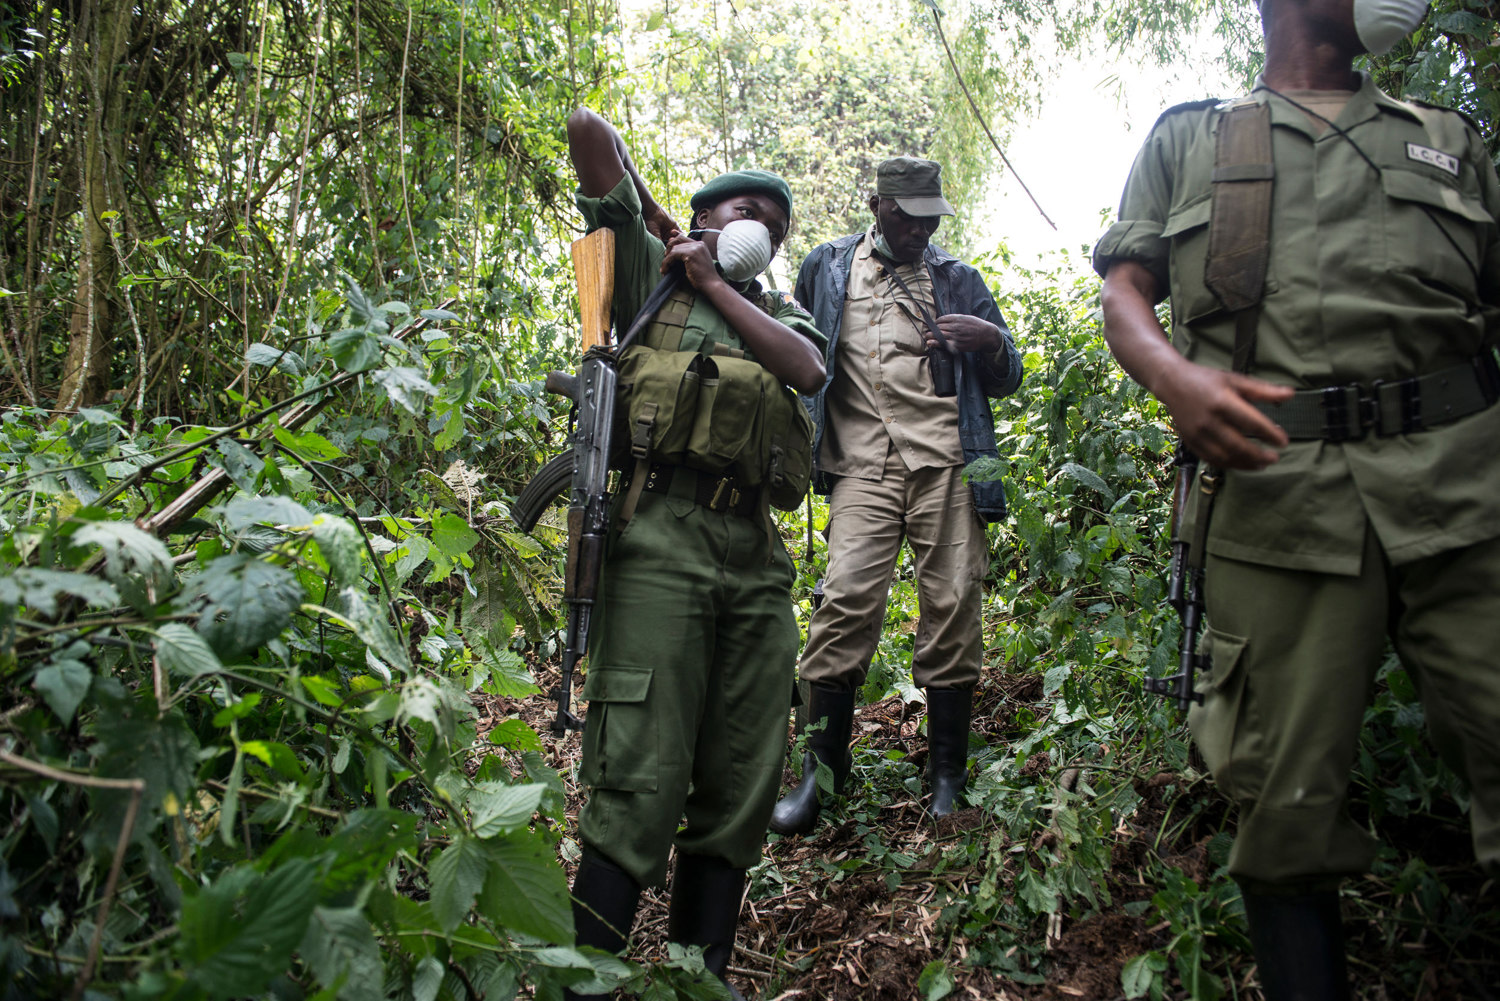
238,750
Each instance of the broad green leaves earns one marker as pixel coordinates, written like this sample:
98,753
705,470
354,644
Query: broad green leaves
242,602
240,931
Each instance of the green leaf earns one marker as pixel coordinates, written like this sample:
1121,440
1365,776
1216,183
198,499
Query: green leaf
510,678
64,683
516,735
499,809
260,353
340,950
321,689
243,512
408,387
238,709
452,536
439,315
245,602
427,980
275,754
38,590
935,981
456,877
340,544
371,625
125,548
354,349
183,651
1140,972
525,889
239,932
308,445
1088,478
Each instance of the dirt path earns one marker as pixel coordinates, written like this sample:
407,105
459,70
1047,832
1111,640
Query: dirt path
822,922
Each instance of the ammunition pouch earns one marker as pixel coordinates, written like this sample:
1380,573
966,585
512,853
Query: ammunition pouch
712,408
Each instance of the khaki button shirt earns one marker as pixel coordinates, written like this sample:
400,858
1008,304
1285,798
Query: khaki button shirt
881,397
1374,275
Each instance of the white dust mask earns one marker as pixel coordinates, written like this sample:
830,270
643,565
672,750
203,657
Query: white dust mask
744,249
1380,24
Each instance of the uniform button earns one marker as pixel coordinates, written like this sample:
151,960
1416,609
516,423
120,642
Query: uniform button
887,420
872,354
877,387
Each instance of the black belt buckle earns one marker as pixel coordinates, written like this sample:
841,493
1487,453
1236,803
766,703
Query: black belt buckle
1411,405
1336,425
1487,371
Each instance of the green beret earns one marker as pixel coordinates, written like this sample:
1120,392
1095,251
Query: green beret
740,182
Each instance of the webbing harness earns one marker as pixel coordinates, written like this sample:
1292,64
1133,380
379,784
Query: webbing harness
1239,228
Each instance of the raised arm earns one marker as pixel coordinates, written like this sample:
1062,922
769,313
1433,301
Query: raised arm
600,158
788,355
1212,409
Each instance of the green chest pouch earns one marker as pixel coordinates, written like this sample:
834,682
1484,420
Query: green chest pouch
714,409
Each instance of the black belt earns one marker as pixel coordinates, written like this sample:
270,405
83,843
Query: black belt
1343,413
717,493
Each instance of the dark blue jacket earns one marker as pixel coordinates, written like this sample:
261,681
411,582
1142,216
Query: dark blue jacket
958,288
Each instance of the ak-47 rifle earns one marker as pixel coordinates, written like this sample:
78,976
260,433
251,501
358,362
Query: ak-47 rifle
583,470
1185,581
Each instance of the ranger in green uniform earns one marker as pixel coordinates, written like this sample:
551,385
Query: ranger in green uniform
1333,262
693,646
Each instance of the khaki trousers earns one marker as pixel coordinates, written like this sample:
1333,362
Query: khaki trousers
934,510
1295,656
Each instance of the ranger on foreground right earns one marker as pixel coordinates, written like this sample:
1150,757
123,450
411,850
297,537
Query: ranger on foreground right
1333,261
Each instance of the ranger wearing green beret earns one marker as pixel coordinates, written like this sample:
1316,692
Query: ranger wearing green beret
916,347
694,640
1333,262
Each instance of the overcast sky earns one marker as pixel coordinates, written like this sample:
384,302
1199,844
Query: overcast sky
1075,156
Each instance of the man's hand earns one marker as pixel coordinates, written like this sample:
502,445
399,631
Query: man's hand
966,333
1214,415
659,224
1211,408
695,259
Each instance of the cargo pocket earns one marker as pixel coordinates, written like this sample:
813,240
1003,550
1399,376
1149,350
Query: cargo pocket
620,746
1218,723
729,404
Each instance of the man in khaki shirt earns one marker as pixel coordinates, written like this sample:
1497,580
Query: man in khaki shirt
916,348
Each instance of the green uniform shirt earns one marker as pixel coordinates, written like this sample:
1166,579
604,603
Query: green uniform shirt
1374,275
638,257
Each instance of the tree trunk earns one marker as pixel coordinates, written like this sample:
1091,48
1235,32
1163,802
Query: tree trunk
86,369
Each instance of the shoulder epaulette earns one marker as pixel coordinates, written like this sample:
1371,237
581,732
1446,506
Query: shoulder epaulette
1443,107
1211,102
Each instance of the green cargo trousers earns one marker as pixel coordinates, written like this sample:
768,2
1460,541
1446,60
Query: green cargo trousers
689,685
1295,656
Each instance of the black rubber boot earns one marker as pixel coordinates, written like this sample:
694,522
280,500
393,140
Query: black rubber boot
604,903
705,909
1299,945
948,714
797,813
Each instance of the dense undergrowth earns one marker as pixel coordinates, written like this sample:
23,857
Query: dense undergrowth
240,757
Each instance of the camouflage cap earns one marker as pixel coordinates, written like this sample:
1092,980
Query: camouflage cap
915,185
739,182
